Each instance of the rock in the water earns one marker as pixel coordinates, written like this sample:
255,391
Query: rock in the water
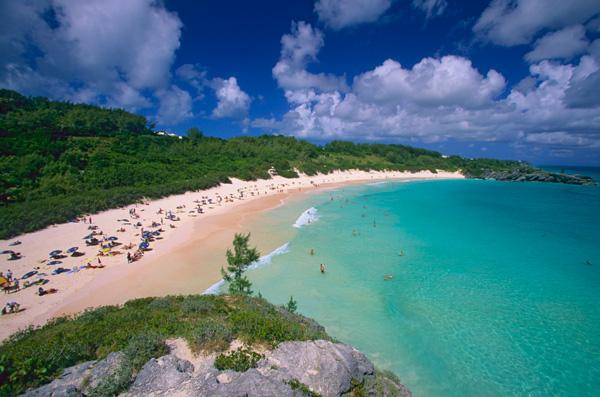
535,175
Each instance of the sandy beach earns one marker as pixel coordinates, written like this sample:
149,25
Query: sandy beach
184,258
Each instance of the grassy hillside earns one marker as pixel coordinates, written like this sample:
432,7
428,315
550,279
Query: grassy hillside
139,329
60,160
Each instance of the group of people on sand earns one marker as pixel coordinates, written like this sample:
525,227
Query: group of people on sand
11,307
8,282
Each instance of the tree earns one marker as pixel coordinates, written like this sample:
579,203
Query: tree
238,261
194,133
292,305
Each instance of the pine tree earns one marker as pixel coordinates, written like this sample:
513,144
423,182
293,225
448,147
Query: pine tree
237,263
292,305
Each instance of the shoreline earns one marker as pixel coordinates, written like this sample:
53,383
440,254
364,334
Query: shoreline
186,260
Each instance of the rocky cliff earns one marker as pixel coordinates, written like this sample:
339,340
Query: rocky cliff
310,368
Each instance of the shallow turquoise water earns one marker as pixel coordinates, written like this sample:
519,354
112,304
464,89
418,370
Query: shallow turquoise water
497,293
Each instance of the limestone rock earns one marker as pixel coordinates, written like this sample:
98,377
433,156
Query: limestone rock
67,384
102,370
161,375
323,367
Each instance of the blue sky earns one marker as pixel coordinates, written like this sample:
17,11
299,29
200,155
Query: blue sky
503,78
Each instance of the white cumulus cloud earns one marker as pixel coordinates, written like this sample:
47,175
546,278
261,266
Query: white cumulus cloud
232,101
298,50
563,44
110,50
447,81
441,99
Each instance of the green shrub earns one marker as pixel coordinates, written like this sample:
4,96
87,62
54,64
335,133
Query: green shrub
143,347
193,305
115,384
211,335
239,360
295,384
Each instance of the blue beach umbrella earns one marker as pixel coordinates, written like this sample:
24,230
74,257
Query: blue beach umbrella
112,238
55,252
144,245
72,250
52,263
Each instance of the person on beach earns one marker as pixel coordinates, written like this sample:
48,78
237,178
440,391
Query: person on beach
99,262
322,267
10,307
128,257
9,275
42,292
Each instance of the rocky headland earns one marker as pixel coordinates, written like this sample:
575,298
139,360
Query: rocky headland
535,175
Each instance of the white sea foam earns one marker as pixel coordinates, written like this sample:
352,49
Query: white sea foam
309,216
377,183
266,260
262,261
214,289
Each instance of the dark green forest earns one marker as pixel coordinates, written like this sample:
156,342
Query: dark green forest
60,160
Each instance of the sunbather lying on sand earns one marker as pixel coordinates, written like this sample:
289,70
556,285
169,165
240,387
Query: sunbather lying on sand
42,292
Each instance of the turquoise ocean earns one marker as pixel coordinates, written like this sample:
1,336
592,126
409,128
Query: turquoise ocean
497,292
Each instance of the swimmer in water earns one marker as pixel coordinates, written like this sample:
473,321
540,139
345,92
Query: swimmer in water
401,253
312,251
322,267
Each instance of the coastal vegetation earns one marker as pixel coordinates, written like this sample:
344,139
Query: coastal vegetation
60,160
139,329
238,261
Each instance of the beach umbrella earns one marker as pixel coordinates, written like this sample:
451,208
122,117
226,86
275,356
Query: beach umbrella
72,250
112,238
144,245
156,233
55,252
7,252
89,236
52,263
